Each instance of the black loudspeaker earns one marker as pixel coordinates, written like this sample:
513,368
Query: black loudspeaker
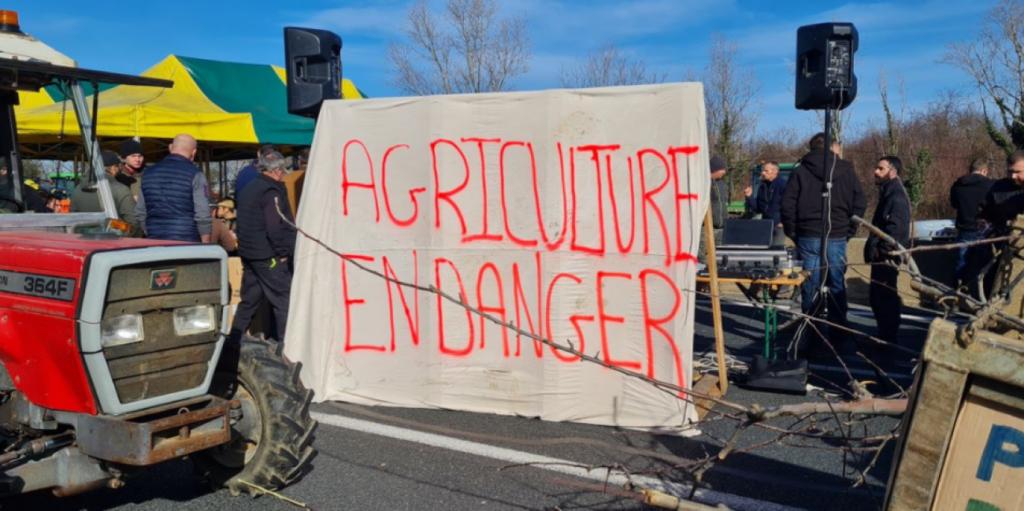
313,60
824,66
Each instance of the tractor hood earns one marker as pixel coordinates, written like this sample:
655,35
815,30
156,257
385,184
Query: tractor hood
60,253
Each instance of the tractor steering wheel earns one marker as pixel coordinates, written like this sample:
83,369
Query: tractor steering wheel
19,206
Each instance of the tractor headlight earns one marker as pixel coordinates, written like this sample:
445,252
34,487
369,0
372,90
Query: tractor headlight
120,330
194,320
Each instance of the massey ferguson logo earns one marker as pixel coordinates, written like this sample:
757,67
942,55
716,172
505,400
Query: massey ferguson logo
163,279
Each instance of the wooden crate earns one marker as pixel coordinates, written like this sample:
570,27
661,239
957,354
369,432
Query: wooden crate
962,443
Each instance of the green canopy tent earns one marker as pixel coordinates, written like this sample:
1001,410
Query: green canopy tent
229,107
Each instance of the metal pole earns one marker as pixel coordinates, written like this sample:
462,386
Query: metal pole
92,149
826,196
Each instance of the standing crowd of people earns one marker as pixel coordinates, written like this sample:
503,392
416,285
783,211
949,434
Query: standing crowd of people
171,200
984,207
174,204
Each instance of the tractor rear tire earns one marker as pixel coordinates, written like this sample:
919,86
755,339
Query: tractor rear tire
272,441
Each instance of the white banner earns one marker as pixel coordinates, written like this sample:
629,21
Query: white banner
573,214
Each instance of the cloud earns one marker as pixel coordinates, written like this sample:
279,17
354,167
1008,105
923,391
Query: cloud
672,36
376,22
876,22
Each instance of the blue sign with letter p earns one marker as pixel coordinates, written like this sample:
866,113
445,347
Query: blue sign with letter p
996,450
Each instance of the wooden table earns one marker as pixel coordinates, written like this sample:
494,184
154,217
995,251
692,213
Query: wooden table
769,293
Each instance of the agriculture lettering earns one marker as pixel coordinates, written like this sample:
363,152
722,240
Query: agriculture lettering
597,200
454,182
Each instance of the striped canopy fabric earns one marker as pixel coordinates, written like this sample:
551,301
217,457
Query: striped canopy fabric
215,101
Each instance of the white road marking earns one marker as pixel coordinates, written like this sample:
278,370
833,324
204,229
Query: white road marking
514,457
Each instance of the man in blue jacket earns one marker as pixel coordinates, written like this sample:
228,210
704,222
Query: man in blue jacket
767,202
174,202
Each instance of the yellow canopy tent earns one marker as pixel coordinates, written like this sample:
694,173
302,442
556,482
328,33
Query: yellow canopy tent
217,102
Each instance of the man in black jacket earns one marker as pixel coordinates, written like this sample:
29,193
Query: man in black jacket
966,197
266,244
802,222
1005,200
892,216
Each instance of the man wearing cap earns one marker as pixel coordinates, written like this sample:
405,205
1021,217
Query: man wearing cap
86,197
250,172
132,167
719,205
266,244
223,226
174,201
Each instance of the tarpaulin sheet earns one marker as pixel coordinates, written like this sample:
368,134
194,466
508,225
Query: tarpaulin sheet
574,214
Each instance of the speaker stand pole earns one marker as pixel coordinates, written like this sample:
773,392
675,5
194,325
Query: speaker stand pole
821,304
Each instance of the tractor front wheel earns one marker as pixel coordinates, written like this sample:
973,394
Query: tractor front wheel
272,431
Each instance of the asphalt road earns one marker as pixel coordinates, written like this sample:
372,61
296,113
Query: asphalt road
393,459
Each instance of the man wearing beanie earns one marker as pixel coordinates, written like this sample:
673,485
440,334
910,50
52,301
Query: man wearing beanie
719,205
132,168
86,197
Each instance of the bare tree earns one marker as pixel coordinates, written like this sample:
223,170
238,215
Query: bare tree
893,118
609,66
469,48
731,98
995,61
840,120
915,169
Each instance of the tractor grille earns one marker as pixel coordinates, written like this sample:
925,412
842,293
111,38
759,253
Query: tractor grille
163,363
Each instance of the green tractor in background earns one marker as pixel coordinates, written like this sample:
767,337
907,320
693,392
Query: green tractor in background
63,181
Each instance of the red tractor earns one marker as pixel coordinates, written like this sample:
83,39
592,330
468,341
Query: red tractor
113,349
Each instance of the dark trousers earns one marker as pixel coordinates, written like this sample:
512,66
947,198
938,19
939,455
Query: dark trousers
269,279
885,301
970,261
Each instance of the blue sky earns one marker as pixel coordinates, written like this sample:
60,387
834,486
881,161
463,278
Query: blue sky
903,37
